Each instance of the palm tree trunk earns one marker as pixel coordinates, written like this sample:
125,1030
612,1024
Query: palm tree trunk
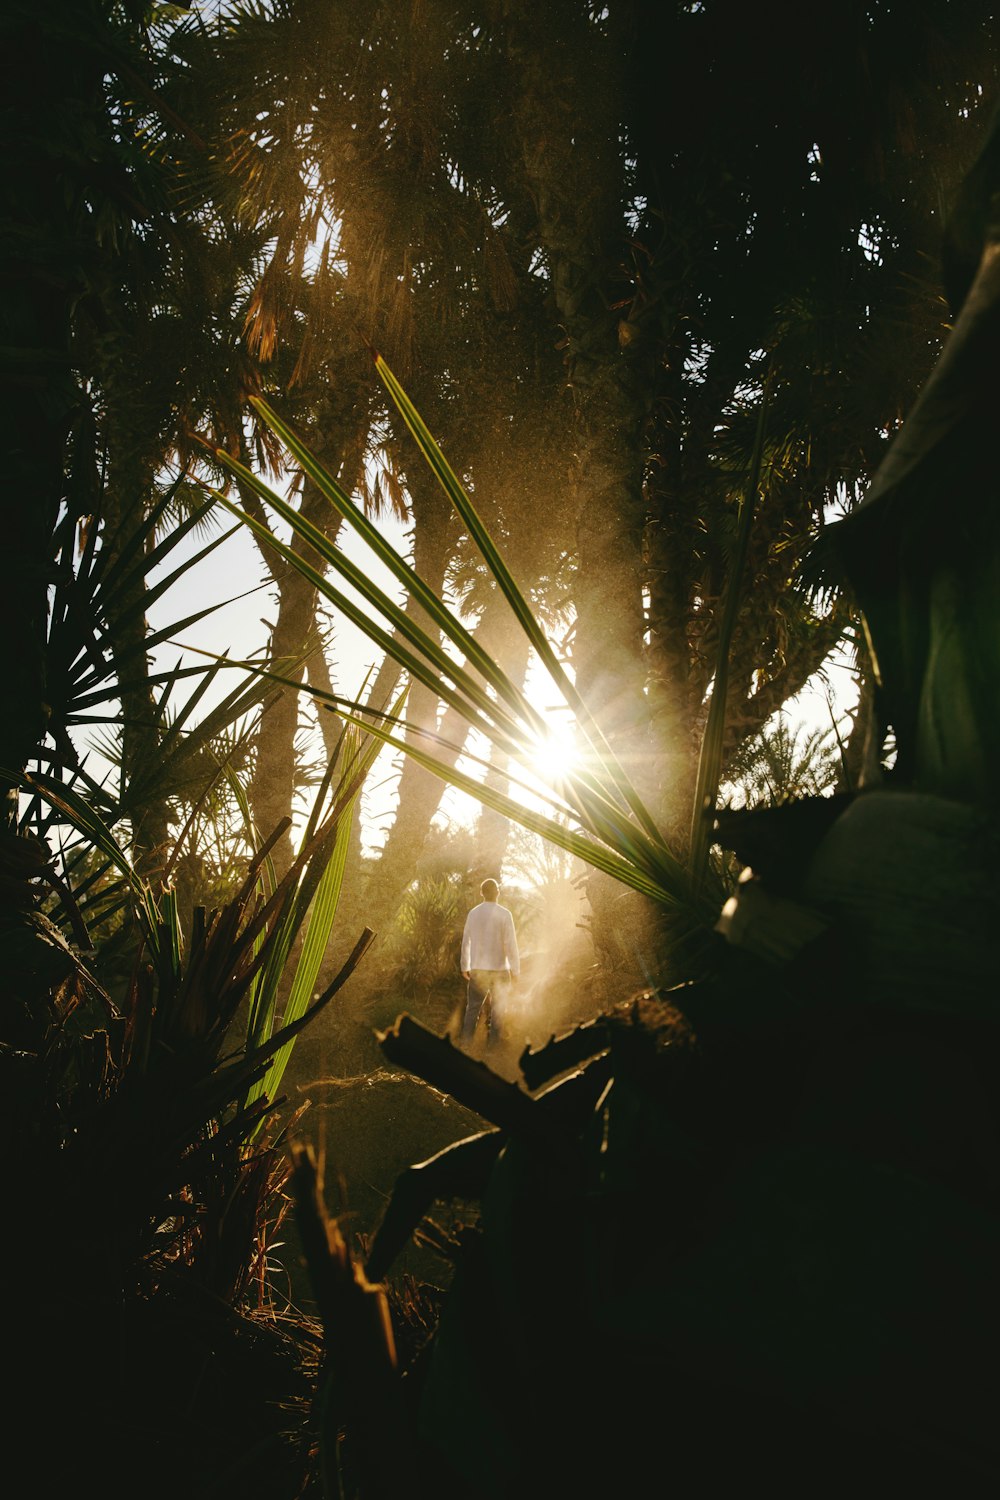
492,831
567,114
294,640
396,865
420,792
125,504
49,87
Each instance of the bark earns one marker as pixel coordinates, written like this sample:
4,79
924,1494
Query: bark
568,116
492,830
750,707
294,638
384,885
49,88
568,113
420,791
862,751
142,786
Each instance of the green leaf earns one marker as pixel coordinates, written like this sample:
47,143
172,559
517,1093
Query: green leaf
522,609
387,555
434,667
314,902
92,826
597,855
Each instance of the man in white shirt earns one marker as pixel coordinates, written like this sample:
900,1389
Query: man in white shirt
490,961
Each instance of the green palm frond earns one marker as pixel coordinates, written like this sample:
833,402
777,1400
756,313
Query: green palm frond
591,808
99,595
98,836
241,952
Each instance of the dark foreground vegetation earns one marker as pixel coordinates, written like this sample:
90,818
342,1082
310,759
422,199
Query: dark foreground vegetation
705,314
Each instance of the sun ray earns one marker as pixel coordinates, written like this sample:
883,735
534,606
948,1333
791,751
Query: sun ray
553,753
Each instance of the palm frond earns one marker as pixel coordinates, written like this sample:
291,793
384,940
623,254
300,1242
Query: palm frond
614,831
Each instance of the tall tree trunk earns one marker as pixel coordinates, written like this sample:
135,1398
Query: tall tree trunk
142,790
568,116
420,791
52,94
861,761
392,872
50,88
294,639
492,831
568,113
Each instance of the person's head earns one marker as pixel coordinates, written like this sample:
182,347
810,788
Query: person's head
490,890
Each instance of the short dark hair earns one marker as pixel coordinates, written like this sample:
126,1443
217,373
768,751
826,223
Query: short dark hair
489,889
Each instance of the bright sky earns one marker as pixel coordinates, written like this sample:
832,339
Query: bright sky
239,628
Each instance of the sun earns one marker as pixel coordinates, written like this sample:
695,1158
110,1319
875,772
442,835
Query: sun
554,753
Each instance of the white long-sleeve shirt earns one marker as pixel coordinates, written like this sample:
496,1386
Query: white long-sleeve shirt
488,941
